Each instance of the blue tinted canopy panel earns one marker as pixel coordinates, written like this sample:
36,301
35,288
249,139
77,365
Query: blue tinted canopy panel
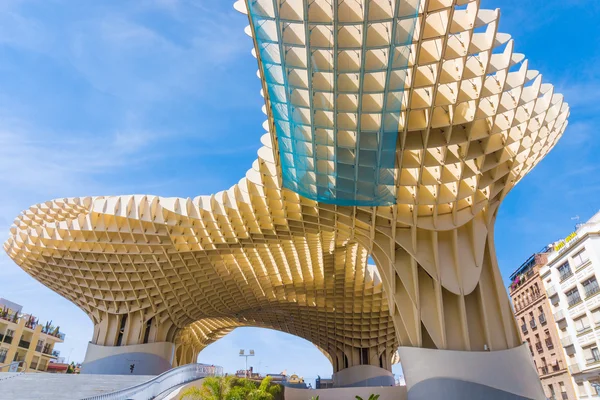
336,72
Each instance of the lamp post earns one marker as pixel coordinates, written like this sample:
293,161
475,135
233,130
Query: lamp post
250,354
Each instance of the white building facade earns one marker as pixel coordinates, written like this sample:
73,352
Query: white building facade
571,281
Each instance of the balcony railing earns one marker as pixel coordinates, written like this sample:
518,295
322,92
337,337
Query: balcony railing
524,329
559,315
544,370
542,319
549,344
565,275
532,324
567,341
39,348
54,353
538,347
574,300
24,344
592,291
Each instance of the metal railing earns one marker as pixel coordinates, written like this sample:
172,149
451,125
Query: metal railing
160,384
15,366
532,324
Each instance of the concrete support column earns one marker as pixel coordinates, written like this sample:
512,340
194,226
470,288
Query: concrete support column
458,375
133,343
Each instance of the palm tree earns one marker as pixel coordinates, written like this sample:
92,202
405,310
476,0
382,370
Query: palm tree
265,391
371,397
191,393
213,388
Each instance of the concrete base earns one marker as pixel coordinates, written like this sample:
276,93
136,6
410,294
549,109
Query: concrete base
457,375
363,375
146,359
385,393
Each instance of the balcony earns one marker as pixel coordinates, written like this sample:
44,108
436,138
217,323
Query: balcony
567,341
39,348
8,339
24,344
551,291
543,319
593,360
538,347
524,329
591,291
544,370
549,344
566,275
52,353
559,315
532,324
574,300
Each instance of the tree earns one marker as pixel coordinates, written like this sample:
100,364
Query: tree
371,397
240,389
265,391
191,393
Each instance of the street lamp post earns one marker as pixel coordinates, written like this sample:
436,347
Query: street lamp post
250,354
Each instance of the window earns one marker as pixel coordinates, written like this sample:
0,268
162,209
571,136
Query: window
3,355
580,258
582,324
592,354
548,339
563,390
590,286
542,316
565,271
10,333
573,297
596,316
544,366
40,345
595,387
581,389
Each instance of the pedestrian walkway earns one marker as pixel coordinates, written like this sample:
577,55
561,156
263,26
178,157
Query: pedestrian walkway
46,386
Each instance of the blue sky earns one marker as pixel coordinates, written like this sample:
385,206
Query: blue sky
156,96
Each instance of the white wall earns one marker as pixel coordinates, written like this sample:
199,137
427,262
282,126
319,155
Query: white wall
363,375
385,393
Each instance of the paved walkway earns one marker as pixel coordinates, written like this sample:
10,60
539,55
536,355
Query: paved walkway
14,386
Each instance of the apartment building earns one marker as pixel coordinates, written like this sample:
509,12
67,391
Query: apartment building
537,327
571,281
25,341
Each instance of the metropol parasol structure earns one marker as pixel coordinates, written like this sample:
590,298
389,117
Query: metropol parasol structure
394,130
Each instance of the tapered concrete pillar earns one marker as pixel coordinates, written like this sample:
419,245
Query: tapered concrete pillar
130,344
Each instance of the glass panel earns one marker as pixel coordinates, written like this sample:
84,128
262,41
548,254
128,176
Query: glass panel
335,101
